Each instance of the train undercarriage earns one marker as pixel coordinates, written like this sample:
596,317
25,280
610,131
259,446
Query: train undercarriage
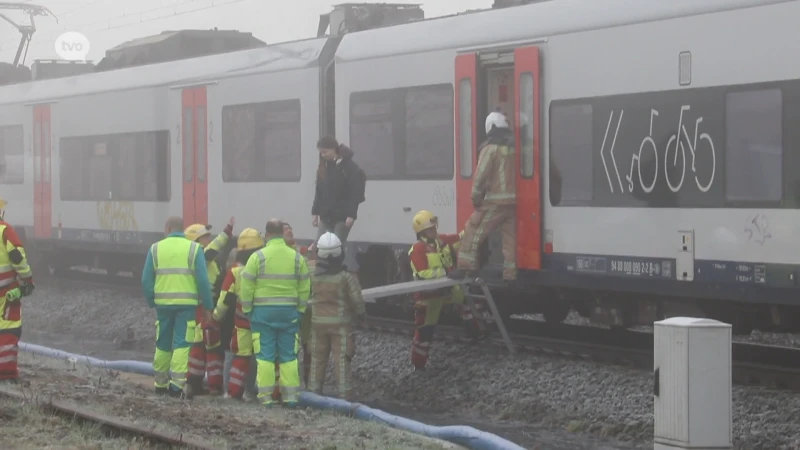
382,265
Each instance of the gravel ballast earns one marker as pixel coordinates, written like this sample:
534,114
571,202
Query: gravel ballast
539,394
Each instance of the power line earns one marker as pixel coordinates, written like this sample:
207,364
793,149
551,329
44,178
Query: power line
48,39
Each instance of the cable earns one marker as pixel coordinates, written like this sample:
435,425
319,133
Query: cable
48,39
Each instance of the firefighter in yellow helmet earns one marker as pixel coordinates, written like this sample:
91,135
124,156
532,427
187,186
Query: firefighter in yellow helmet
16,281
228,313
207,353
432,257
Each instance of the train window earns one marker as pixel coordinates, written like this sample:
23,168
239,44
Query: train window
429,132
280,123
261,142
126,165
121,167
571,152
99,173
372,133
526,124
188,144
465,125
12,155
754,147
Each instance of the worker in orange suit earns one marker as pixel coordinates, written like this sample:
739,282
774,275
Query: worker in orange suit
16,282
432,257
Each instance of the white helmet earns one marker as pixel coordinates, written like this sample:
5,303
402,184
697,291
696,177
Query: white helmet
329,246
496,119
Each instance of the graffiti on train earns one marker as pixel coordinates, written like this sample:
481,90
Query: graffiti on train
117,216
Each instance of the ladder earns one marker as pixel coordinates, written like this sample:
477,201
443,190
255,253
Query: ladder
371,295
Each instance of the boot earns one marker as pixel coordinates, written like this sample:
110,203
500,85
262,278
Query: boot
162,391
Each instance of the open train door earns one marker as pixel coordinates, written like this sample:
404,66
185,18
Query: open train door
466,133
42,186
195,155
528,139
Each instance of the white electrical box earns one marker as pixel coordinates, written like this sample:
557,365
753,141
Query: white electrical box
692,384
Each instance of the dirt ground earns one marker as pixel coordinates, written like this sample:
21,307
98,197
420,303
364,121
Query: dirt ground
219,422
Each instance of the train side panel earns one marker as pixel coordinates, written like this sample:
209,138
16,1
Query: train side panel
642,235
392,200
16,185
284,108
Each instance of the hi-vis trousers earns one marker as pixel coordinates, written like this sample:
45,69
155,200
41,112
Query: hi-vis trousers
426,317
275,330
482,222
175,332
206,355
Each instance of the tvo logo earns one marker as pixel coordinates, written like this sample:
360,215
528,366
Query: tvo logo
72,46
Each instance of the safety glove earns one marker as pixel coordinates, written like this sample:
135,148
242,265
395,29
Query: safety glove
13,295
26,289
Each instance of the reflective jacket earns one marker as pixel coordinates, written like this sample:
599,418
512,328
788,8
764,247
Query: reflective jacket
212,250
495,179
276,275
336,298
175,274
13,267
432,260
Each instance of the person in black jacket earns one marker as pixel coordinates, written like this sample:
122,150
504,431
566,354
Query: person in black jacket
337,194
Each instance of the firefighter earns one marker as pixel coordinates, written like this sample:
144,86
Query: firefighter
337,303
494,198
16,281
274,294
431,257
242,371
175,283
207,353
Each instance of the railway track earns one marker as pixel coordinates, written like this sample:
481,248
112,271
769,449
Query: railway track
753,364
112,425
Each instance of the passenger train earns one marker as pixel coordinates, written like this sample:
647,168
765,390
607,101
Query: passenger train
656,172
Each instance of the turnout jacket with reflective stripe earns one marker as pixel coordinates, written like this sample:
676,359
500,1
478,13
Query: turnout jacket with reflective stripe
495,179
13,261
434,259
175,274
336,298
276,275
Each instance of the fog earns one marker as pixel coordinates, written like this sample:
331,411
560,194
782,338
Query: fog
108,23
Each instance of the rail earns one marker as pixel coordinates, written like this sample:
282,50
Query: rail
112,424
753,364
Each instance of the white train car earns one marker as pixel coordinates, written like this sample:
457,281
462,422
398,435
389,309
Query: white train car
666,130
656,166
118,152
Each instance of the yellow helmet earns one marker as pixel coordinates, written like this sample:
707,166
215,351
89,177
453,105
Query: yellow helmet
249,239
196,231
424,220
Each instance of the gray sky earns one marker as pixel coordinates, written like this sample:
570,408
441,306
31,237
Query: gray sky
110,22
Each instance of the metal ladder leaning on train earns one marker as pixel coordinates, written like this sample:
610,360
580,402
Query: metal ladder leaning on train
248,340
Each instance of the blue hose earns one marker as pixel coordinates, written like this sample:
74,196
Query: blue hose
461,435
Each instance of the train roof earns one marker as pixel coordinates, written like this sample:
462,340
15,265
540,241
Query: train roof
520,23
272,58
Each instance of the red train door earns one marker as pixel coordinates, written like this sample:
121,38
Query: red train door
195,155
42,186
466,133
528,139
